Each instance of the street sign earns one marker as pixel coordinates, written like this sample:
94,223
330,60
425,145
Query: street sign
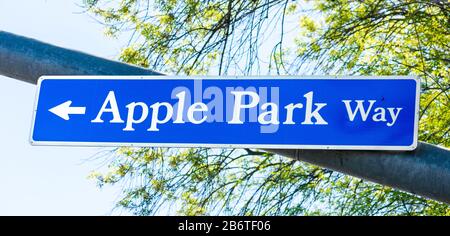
365,113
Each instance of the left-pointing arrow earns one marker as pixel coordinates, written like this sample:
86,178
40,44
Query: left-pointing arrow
64,110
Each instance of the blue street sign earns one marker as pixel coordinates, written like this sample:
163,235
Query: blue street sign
368,113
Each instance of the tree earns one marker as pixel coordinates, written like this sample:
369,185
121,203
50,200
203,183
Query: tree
377,37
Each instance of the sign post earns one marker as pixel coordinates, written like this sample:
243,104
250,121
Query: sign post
424,171
362,113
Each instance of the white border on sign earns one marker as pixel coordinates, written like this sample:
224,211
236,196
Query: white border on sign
258,146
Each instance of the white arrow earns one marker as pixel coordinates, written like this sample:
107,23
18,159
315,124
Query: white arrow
63,110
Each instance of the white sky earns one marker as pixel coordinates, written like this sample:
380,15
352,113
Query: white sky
52,180
47,180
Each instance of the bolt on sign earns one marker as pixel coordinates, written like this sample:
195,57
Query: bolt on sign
365,113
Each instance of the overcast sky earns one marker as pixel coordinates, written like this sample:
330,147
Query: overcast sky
47,180
52,180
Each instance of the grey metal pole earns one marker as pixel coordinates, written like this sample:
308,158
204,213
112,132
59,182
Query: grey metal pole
424,171
27,59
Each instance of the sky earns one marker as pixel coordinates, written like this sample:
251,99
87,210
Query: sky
37,180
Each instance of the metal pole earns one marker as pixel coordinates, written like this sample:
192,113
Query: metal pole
27,59
424,171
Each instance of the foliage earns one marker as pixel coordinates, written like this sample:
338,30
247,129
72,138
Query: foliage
373,37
